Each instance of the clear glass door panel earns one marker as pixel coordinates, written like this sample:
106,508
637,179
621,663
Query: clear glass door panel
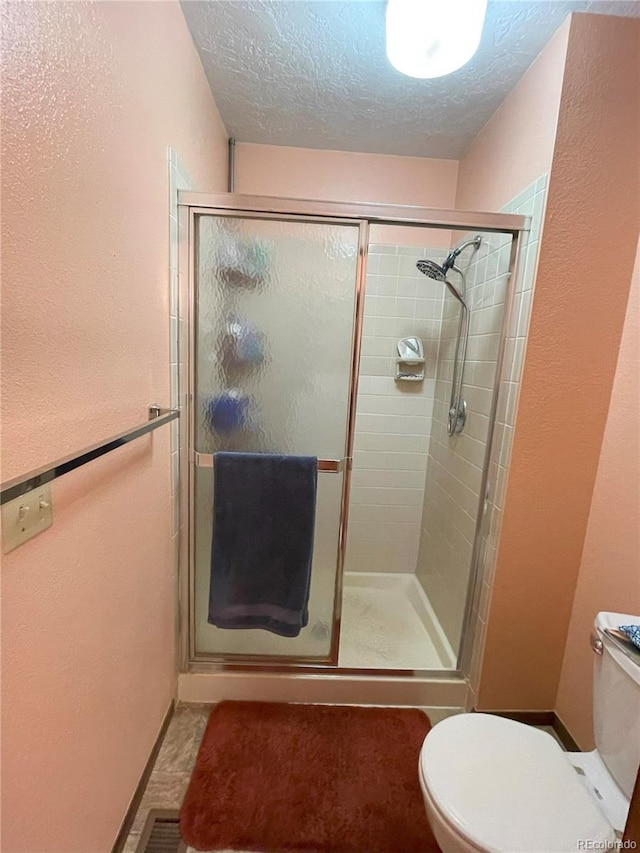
273,345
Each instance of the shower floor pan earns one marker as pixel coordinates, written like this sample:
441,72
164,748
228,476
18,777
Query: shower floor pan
388,623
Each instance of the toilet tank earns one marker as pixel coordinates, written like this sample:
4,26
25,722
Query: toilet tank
616,702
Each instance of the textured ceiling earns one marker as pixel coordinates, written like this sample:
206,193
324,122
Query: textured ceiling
315,74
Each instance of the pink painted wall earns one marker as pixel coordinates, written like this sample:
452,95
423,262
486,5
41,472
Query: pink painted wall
609,577
516,145
347,176
93,93
585,264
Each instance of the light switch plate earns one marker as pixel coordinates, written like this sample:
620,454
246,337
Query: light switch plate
25,517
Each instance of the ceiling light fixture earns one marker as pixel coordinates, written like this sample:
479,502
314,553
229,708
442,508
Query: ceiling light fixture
431,38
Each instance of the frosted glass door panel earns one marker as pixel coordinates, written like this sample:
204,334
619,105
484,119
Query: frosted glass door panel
274,326
274,321
314,641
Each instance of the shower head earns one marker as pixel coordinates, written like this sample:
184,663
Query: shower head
432,270
439,273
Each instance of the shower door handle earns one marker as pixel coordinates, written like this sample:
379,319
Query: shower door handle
325,466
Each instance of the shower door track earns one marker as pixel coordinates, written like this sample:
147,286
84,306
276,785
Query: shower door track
227,663
192,204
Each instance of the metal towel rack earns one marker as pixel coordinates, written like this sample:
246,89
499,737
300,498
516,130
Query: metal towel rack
330,466
19,486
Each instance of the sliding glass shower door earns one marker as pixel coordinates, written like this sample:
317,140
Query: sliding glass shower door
272,354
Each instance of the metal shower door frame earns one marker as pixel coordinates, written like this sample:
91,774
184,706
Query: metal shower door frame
190,457
190,206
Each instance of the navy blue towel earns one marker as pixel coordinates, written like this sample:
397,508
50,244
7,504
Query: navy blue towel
263,522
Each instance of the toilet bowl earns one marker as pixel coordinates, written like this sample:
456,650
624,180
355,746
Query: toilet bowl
492,785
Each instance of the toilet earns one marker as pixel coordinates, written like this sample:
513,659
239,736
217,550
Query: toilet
491,785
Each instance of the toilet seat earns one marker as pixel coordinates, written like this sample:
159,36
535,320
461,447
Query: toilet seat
503,786
463,845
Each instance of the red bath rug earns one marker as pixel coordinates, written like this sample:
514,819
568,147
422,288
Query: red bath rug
273,777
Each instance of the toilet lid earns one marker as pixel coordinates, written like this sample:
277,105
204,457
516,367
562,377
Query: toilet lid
505,786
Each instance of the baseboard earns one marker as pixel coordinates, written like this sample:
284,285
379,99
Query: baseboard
531,718
123,834
564,735
541,718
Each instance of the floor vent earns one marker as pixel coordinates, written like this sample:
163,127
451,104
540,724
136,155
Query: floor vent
161,833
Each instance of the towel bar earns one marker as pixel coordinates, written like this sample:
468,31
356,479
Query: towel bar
34,479
327,466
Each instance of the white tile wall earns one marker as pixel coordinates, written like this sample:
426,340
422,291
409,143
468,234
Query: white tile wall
393,418
455,463
530,202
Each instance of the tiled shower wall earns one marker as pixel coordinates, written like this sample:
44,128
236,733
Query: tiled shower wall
454,472
393,418
455,464
530,202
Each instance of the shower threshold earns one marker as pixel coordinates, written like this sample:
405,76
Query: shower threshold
388,627
393,653
388,623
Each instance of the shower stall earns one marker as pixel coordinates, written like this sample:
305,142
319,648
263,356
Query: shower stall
371,337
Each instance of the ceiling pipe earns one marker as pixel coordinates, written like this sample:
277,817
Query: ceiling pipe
232,164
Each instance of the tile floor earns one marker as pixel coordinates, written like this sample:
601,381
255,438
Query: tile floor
170,777
171,773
